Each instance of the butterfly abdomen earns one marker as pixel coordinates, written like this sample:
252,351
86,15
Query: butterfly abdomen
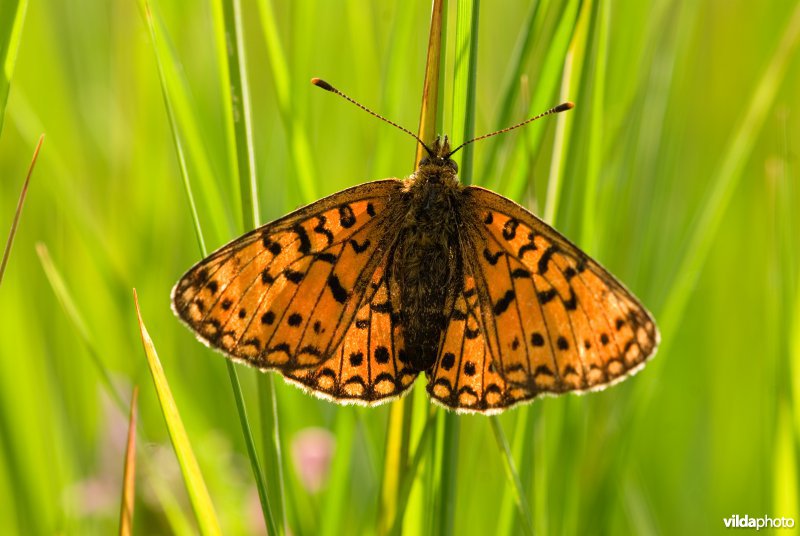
428,265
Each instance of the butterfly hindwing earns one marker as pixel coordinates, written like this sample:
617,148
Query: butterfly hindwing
552,319
465,376
369,366
283,295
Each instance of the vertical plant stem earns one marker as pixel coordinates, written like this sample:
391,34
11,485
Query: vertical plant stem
129,474
13,232
511,472
401,412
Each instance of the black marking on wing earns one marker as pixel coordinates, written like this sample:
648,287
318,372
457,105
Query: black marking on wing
503,303
346,216
360,248
321,229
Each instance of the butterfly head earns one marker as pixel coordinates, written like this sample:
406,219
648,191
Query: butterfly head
438,157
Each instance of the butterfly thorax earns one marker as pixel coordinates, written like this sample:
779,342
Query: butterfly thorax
428,260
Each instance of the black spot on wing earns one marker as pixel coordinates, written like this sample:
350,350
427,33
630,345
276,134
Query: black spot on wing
346,216
382,354
271,245
305,243
448,360
330,258
545,258
490,257
503,303
321,229
520,273
546,296
510,229
293,275
360,248
338,291
385,307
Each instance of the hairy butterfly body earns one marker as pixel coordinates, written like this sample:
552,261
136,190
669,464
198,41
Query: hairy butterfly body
355,295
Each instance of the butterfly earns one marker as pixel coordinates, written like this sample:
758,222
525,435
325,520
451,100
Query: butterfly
354,296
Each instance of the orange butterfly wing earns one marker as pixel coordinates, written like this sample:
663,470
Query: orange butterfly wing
552,320
369,366
285,295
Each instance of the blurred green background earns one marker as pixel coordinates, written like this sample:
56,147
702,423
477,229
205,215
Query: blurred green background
677,170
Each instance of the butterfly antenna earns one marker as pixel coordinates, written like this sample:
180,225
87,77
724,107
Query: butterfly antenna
563,107
327,87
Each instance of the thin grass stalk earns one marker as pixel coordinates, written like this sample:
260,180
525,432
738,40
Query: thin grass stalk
176,90
401,412
463,127
235,386
514,180
334,504
302,158
198,232
588,234
511,472
129,473
408,477
239,92
196,488
18,212
71,310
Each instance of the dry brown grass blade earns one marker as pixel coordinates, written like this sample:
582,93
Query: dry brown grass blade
430,91
129,474
18,213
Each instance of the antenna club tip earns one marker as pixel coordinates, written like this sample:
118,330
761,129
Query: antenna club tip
564,106
319,82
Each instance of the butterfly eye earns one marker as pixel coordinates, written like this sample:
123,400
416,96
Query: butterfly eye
452,165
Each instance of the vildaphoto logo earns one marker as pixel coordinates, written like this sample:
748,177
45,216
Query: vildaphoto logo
746,522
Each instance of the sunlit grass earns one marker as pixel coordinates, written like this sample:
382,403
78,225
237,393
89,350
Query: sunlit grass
676,170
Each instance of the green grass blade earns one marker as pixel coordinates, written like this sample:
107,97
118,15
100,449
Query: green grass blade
597,126
239,94
71,310
511,472
407,479
463,126
542,99
12,19
18,212
184,123
195,485
511,83
334,503
464,78
252,453
176,138
129,473
298,140
252,217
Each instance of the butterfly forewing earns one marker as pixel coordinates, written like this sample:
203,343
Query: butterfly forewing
559,321
279,297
